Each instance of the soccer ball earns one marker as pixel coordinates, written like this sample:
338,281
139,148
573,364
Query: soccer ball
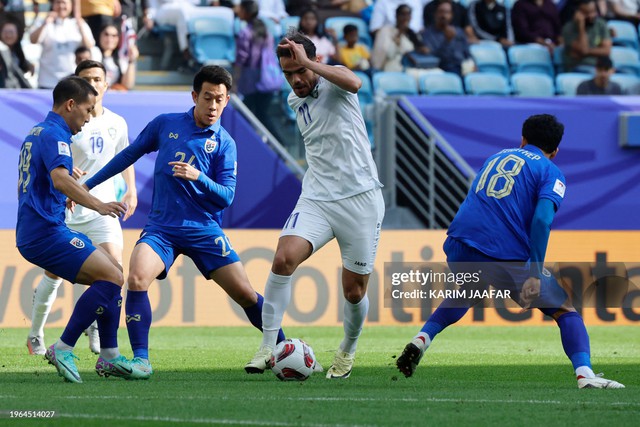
293,360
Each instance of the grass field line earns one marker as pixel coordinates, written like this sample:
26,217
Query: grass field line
214,421
376,399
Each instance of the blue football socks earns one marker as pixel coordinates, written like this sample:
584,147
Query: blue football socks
108,323
575,339
138,311
441,318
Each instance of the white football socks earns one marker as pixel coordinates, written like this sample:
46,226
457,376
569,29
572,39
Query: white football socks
277,294
354,316
109,353
43,297
584,371
422,340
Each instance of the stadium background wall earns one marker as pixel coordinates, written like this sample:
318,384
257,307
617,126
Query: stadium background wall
186,299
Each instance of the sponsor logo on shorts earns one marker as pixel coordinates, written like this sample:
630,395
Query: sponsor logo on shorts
135,318
360,263
100,310
210,145
78,243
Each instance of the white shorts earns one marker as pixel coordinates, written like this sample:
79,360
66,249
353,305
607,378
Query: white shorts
102,229
355,222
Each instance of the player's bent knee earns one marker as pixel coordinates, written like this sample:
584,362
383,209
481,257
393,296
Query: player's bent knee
354,294
283,264
138,282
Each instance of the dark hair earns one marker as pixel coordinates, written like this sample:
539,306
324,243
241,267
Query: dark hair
296,37
72,88
415,39
115,54
318,30
348,29
544,131
259,28
604,63
213,74
17,48
81,49
89,63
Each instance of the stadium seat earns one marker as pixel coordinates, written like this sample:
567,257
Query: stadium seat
625,60
289,21
486,84
530,58
567,83
212,40
558,59
441,84
394,83
628,82
337,23
625,33
489,59
532,84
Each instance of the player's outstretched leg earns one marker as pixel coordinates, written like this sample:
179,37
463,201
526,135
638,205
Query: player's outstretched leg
354,316
43,297
444,316
138,318
575,342
277,296
93,301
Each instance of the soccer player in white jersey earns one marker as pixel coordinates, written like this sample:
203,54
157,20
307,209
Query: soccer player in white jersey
341,197
100,140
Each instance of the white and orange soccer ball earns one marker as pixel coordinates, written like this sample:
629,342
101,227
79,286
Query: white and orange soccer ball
293,360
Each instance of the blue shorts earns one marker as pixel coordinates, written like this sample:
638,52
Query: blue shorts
62,253
208,248
503,275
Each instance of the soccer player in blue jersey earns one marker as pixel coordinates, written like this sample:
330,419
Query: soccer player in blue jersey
502,229
194,181
42,237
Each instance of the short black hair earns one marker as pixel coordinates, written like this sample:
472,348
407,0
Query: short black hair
87,64
72,88
402,8
348,29
81,49
296,37
544,131
213,74
604,63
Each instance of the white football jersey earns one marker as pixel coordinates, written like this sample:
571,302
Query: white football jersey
337,147
93,147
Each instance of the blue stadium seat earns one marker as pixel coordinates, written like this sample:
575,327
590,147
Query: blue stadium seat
284,94
567,83
489,59
625,60
530,58
486,84
337,23
532,84
289,21
625,33
394,83
212,40
441,84
558,59
626,81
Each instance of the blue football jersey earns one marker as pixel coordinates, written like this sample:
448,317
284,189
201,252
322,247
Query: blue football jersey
177,202
40,205
496,216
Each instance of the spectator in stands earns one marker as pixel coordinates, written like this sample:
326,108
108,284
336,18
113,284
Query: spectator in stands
459,17
273,10
121,72
601,83
352,54
13,10
98,13
13,64
536,21
491,21
604,7
331,8
10,36
394,41
82,53
326,45
586,38
446,41
627,10
60,35
252,42
385,12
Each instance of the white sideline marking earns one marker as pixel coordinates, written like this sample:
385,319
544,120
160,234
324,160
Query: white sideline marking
372,399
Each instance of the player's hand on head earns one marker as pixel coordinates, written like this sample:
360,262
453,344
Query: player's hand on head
297,51
530,292
77,173
113,209
130,199
185,171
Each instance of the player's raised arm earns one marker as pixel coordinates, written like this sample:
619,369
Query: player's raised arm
340,76
64,183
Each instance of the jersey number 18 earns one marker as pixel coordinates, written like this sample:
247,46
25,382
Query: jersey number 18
500,172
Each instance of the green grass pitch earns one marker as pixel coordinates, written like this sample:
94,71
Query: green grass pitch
476,376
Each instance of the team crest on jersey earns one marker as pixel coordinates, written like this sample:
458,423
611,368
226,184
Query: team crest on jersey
78,243
210,145
113,133
63,149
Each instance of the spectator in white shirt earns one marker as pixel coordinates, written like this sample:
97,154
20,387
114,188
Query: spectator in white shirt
384,13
